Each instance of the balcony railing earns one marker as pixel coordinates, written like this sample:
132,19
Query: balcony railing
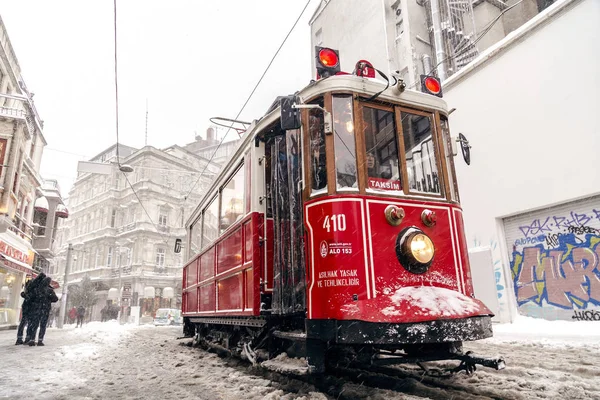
12,112
21,229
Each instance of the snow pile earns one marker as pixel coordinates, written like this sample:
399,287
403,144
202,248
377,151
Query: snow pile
432,301
557,333
284,364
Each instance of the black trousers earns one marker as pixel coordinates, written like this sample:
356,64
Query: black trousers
43,325
21,327
39,319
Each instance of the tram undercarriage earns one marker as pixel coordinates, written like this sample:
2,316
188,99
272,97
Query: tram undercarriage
331,343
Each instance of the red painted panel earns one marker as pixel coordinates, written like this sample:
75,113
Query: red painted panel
269,267
464,252
248,240
191,301
337,271
230,292
354,273
207,297
191,273
383,236
229,251
207,265
249,292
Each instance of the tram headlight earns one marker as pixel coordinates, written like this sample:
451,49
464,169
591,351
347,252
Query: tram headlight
421,248
414,250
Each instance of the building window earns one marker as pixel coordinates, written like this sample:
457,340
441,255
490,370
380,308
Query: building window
109,257
160,257
113,217
162,216
319,37
127,257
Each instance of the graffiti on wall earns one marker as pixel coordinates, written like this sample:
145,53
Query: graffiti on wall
557,262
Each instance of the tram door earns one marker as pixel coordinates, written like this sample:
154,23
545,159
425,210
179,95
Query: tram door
284,183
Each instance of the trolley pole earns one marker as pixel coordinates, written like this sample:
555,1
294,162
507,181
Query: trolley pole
63,299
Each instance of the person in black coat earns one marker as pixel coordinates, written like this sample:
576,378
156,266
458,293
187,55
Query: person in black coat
41,302
25,308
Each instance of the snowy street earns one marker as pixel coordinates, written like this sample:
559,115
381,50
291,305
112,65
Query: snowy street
105,360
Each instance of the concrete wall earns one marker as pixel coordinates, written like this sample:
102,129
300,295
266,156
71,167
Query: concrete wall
530,113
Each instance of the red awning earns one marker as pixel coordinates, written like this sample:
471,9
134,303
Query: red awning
41,204
61,211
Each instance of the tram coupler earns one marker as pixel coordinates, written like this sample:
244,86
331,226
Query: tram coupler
470,360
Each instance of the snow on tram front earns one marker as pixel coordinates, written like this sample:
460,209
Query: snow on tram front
336,228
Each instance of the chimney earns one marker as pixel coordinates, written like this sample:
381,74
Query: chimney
210,134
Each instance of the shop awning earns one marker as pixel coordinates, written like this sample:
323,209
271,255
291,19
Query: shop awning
41,204
61,211
15,264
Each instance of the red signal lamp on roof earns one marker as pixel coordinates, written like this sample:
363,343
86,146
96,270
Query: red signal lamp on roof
431,85
327,61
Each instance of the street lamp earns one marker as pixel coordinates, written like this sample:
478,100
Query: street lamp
63,299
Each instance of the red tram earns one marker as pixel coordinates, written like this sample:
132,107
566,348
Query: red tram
336,229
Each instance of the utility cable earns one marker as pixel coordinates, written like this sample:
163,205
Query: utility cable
249,97
144,208
116,83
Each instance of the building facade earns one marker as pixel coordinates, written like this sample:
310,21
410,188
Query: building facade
21,147
123,226
414,37
531,195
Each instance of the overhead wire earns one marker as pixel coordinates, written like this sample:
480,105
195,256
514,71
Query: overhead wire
249,97
117,126
116,83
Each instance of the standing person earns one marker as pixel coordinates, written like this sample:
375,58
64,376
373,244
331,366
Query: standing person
80,315
42,298
25,308
48,297
72,315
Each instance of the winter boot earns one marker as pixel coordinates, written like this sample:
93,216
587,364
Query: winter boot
40,343
19,341
32,342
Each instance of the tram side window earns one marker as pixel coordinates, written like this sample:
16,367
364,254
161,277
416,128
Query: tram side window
232,200
317,149
382,149
195,237
421,159
210,223
449,158
345,153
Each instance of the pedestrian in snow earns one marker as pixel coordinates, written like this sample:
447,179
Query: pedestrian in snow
41,302
25,308
80,315
72,314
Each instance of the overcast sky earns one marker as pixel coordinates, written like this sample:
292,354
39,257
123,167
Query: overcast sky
191,59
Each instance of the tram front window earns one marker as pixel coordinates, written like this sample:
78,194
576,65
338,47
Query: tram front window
317,149
345,154
421,159
382,149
